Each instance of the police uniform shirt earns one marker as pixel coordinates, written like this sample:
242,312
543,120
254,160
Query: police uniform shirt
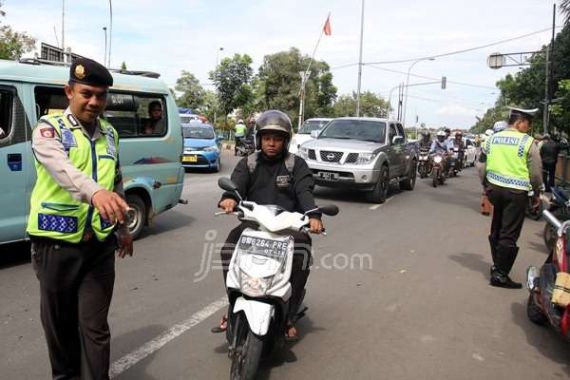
50,152
534,164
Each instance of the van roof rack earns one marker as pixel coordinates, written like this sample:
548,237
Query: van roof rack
39,61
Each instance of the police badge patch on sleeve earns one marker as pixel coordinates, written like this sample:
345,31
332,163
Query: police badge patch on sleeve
282,181
48,133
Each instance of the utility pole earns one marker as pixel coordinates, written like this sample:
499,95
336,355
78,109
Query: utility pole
63,30
549,75
110,30
360,62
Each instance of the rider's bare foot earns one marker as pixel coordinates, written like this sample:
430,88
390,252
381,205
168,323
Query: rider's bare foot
292,334
222,327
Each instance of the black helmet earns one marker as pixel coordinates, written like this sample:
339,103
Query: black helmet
274,121
447,131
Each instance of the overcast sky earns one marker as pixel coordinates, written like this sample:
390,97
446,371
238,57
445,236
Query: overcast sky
169,36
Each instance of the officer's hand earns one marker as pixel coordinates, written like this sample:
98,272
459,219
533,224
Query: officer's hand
315,225
228,205
125,240
110,205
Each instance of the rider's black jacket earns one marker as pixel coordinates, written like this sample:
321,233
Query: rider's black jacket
272,184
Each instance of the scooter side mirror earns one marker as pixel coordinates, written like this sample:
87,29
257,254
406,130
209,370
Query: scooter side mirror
226,184
330,210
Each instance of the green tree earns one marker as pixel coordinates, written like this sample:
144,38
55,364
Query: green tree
371,105
210,107
124,66
232,79
278,85
565,9
192,92
13,44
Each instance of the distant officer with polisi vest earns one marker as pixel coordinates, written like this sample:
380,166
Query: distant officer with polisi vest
510,167
76,223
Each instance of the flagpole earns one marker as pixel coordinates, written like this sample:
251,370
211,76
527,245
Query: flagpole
360,62
305,77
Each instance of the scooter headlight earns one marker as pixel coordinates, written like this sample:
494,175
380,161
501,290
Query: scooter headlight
437,159
254,286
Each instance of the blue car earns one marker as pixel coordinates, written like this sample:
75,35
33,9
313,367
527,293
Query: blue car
202,148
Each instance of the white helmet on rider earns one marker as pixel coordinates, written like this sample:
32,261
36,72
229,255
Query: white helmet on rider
441,135
489,132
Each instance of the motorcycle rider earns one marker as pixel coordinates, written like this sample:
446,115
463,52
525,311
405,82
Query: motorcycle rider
274,176
458,143
239,133
439,145
425,140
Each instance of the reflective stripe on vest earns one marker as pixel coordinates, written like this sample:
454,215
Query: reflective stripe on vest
54,213
507,157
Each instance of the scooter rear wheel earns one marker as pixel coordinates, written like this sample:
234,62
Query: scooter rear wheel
534,312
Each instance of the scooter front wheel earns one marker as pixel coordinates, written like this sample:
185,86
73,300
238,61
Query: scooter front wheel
247,352
534,312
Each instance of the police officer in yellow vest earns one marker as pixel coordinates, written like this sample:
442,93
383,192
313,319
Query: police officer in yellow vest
511,166
77,222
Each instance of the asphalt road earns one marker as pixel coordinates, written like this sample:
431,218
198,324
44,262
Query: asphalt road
398,291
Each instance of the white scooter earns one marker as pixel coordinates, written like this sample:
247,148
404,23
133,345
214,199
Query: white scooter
258,283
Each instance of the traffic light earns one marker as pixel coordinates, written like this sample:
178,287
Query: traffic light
443,83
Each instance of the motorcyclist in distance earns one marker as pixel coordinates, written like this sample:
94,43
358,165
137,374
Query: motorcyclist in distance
460,145
440,145
425,139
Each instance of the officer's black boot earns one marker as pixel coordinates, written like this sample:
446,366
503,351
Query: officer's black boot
505,257
493,244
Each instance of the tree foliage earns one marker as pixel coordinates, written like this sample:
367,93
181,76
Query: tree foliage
232,79
13,44
192,92
371,105
278,85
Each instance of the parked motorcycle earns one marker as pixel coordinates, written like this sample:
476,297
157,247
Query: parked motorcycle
549,299
437,171
560,208
258,281
244,147
424,163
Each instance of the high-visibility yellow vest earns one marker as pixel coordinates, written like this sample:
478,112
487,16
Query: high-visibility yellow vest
54,213
507,159
240,130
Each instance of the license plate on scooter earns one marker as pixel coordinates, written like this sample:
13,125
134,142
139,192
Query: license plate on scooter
273,248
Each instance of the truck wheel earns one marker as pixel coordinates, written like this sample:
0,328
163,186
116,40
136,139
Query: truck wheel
380,191
139,217
410,182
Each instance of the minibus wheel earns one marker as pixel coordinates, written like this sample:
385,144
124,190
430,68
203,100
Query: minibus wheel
138,220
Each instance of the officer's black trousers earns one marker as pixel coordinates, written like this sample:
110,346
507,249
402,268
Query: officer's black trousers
299,271
76,286
508,215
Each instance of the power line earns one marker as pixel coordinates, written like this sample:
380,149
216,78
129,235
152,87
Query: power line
449,53
431,78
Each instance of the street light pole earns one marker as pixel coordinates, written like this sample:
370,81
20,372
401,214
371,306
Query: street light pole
407,84
63,30
360,62
105,55
218,56
110,30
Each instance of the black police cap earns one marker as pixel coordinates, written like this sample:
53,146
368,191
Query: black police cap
87,71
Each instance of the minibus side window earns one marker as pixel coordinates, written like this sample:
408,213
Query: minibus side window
13,120
138,116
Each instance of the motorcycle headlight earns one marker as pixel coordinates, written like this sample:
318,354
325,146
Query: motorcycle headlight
254,286
437,159
365,158
212,148
303,152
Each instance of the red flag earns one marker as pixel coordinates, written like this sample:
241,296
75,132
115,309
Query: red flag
327,28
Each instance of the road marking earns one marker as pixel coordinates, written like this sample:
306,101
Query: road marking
375,207
157,343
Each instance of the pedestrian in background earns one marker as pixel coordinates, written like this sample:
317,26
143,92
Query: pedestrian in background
510,167
549,151
77,206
